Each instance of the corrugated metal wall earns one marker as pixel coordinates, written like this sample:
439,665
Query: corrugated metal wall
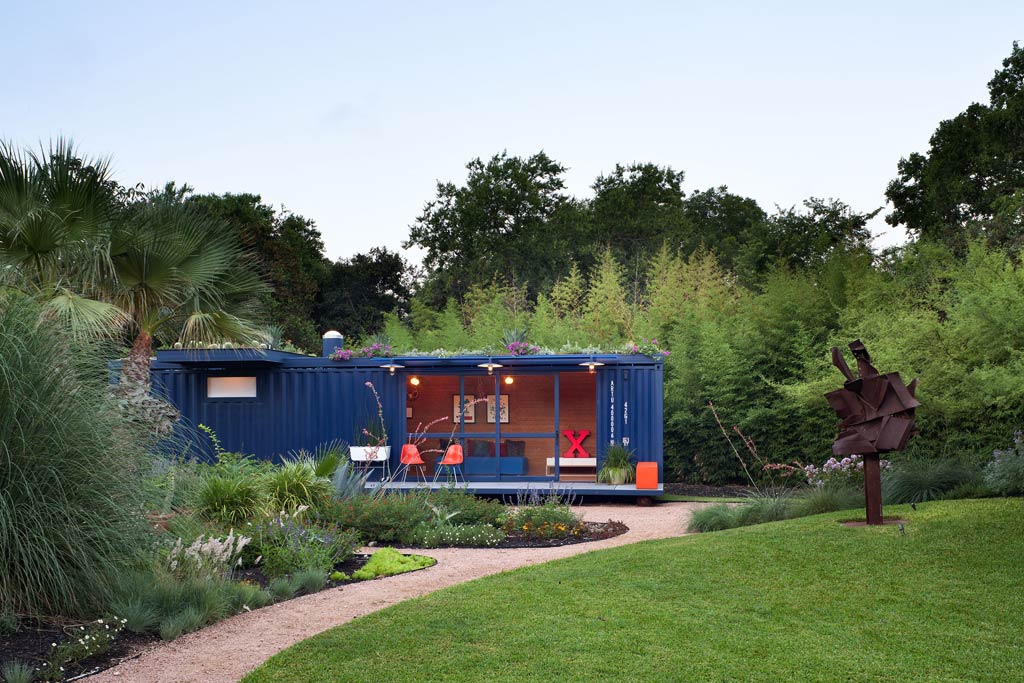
630,410
295,407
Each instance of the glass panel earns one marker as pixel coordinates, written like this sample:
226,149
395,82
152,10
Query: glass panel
478,388
526,457
577,432
431,403
527,406
230,387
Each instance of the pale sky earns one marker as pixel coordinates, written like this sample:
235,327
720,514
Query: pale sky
349,113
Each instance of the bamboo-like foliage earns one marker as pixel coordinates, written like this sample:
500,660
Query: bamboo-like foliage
70,516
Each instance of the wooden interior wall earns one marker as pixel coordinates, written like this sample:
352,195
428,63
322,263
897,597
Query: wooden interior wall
530,404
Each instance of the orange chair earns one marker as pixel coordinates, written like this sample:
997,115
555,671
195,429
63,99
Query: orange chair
452,459
410,457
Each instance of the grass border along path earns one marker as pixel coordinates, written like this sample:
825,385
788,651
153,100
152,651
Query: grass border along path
802,600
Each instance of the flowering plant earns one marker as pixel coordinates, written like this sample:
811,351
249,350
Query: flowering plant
849,470
377,350
521,348
207,557
649,347
91,639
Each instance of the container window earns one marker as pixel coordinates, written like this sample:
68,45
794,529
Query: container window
230,387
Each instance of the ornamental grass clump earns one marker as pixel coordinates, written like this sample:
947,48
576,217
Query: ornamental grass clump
70,501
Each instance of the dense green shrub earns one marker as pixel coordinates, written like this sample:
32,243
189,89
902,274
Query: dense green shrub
70,500
388,562
309,580
914,481
1004,474
472,509
389,518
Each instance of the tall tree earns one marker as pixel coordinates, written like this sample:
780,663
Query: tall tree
803,239
722,222
636,209
360,290
289,251
974,160
499,223
608,316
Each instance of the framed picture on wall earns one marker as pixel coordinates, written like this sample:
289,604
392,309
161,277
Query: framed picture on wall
503,411
468,408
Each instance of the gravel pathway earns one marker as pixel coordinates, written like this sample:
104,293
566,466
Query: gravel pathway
228,650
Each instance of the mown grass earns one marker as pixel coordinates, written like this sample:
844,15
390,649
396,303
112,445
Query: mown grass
801,600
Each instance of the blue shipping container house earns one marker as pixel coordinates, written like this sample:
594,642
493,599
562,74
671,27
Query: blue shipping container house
534,421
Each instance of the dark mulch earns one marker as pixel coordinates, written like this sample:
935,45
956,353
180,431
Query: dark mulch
728,491
31,644
593,531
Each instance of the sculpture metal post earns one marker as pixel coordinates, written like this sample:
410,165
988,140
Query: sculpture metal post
876,416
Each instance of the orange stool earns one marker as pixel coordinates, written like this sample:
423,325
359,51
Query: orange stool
647,475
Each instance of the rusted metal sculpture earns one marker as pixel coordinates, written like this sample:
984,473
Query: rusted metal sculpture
876,414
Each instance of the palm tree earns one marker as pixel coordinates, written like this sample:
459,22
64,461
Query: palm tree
110,261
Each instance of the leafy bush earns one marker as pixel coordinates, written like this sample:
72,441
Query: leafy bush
294,484
431,535
914,481
1004,474
230,497
70,500
388,562
472,509
389,518
290,543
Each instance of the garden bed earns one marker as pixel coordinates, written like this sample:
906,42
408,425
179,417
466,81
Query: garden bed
34,640
592,531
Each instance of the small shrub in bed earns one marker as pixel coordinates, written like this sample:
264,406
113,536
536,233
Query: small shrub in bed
295,483
178,624
1004,474
230,498
291,543
17,672
309,580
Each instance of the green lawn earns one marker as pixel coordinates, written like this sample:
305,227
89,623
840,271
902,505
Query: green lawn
802,600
